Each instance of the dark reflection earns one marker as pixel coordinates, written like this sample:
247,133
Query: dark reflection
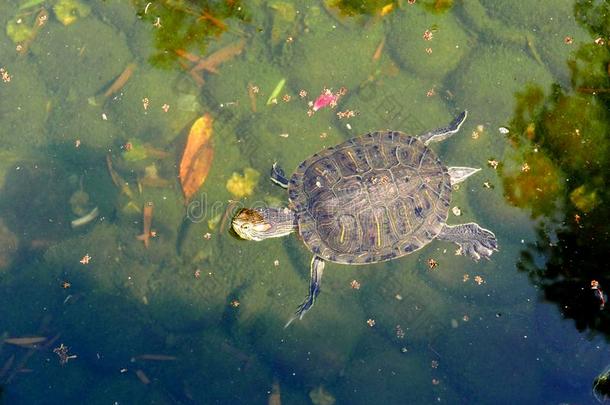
560,172
187,25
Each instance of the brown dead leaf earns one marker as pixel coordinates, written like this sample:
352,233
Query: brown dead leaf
197,157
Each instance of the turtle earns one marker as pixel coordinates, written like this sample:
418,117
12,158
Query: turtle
372,198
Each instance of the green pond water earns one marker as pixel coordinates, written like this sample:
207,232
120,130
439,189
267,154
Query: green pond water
198,316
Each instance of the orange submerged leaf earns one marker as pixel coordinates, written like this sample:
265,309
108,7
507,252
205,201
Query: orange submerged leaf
197,157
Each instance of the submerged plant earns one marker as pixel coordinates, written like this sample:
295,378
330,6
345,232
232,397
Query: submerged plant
68,11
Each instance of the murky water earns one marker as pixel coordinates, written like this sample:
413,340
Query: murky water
96,105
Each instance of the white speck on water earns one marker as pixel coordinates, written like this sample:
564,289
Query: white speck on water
503,130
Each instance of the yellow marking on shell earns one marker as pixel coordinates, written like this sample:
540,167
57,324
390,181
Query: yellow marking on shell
342,237
351,157
404,208
320,172
378,232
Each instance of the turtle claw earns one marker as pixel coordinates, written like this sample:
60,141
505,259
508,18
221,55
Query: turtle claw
278,177
474,241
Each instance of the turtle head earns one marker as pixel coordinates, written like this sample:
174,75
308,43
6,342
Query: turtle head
262,223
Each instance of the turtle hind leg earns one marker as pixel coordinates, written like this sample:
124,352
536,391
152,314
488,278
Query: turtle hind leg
474,241
440,134
278,176
316,270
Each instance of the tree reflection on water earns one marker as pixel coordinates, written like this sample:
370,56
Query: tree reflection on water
559,171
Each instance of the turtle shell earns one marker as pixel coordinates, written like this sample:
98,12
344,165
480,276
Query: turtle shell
372,198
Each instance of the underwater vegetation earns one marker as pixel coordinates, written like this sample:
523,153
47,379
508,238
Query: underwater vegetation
189,25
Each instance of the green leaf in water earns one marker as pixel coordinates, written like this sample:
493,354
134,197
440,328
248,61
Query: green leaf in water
276,91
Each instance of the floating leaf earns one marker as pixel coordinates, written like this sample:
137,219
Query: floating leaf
197,157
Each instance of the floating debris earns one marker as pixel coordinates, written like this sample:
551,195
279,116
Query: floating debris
62,353
197,157
354,284
456,211
370,322
479,280
503,130
428,35
493,163
466,277
235,303
346,114
432,264
400,333
165,107
6,77
327,98
65,285
86,259
525,167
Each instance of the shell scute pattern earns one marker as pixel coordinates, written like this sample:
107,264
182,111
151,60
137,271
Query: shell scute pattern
373,198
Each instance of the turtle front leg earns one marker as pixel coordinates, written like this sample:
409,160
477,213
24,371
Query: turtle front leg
473,240
278,176
440,134
316,270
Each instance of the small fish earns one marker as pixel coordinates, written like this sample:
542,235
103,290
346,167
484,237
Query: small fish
142,377
120,81
25,341
156,357
147,220
325,99
222,55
